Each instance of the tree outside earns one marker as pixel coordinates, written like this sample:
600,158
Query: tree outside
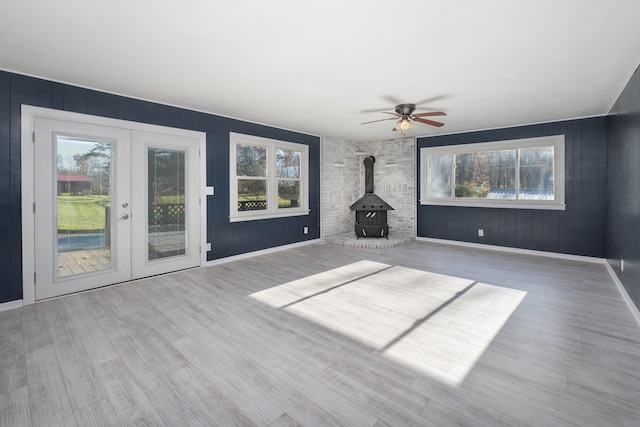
477,174
84,211
288,173
251,165
492,174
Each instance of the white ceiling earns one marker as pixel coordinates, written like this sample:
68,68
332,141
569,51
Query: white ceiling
316,67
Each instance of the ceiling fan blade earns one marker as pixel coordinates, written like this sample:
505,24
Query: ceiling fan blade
392,99
375,110
433,113
389,112
381,120
388,98
429,122
432,99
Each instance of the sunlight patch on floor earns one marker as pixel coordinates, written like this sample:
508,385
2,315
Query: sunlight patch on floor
436,324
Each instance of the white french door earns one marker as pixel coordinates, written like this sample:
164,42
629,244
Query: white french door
111,205
166,208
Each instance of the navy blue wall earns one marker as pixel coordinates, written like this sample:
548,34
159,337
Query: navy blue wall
623,228
578,230
227,238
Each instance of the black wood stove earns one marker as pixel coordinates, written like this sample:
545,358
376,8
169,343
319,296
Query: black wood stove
371,210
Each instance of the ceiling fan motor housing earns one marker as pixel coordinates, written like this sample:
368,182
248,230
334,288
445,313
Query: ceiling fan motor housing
405,109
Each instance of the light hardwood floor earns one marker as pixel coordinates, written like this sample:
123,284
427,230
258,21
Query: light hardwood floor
423,334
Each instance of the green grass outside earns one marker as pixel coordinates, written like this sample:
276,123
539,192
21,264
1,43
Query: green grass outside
86,214
78,214
169,200
245,197
81,213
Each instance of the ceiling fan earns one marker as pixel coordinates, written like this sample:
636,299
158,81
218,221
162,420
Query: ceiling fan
405,118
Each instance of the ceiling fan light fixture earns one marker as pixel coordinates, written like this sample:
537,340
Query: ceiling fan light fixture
403,125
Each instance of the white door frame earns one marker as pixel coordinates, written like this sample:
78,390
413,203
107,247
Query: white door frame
29,113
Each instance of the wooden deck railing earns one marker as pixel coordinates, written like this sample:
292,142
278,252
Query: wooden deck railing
166,214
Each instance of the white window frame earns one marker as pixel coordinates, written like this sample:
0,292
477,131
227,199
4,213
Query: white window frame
272,211
555,141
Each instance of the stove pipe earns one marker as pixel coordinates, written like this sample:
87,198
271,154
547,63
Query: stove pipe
368,174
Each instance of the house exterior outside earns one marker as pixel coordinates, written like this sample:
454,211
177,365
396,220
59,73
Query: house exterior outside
74,184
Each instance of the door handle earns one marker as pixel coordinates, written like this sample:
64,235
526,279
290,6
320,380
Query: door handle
125,216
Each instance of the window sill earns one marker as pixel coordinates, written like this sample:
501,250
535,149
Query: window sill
506,204
252,216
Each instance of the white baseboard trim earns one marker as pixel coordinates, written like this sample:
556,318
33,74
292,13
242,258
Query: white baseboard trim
625,296
11,305
515,250
261,252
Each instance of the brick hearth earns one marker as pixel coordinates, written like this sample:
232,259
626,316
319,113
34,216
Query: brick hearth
349,239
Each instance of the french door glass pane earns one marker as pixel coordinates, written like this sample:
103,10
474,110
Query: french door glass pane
166,203
83,199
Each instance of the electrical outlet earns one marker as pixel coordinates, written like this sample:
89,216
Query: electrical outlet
208,247
480,232
305,230
621,265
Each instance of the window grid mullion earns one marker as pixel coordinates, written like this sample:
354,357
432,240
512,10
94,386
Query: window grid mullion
517,183
272,189
453,175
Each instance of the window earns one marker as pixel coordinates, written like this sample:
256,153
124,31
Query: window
524,173
268,178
